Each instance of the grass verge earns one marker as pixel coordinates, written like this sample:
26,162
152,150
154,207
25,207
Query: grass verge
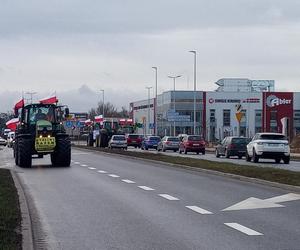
10,215
264,173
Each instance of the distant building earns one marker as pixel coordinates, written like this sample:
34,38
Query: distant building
245,85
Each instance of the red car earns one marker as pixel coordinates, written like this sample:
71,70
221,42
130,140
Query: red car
192,143
134,140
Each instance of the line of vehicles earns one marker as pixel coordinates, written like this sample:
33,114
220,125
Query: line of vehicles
261,146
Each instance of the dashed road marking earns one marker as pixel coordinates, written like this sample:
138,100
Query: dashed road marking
128,181
146,188
101,171
169,197
243,229
83,165
199,210
114,175
91,168
76,162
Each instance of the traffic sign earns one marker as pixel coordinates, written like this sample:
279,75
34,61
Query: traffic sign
69,124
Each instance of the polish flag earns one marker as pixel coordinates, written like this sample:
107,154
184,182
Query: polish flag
12,124
49,100
19,105
99,118
88,122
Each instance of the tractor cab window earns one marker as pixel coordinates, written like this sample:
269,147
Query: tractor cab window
41,113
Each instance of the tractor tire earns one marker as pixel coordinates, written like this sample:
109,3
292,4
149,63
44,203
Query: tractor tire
62,155
24,153
16,156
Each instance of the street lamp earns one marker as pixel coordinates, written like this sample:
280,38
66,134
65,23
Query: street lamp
31,94
155,107
195,58
174,105
148,116
102,90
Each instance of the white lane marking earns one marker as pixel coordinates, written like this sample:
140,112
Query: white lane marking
114,175
76,162
243,229
101,171
199,210
83,165
284,198
169,197
146,188
91,168
128,181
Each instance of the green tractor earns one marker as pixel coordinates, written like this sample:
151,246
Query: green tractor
41,132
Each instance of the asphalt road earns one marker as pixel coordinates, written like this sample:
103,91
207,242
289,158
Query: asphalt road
110,202
293,166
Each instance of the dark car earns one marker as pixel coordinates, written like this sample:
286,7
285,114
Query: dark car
232,146
192,143
134,140
150,142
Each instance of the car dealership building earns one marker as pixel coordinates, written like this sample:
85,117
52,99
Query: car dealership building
238,107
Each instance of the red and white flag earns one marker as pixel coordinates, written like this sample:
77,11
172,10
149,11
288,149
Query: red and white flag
99,118
49,99
12,124
19,104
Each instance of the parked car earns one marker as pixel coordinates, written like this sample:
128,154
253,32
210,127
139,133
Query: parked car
192,143
5,133
168,143
10,139
150,142
269,146
232,146
117,141
134,140
3,142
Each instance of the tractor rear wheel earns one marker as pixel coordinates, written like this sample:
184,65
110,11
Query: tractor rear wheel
62,154
24,153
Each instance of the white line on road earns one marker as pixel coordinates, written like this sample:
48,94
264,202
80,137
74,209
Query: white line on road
91,168
101,171
114,175
76,162
128,181
199,210
243,229
83,165
146,188
169,197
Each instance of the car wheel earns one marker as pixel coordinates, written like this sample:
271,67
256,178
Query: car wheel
240,157
179,151
255,156
203,152
175,150
197,152
227,155
277,160
217,153
248,158
286,160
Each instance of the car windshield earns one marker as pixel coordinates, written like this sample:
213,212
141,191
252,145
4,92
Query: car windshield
173,139
154,138
194,138
133,136
119,138
272,137
240,140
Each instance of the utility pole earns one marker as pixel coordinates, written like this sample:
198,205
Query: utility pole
195,66
102,90
174,100
148,115
155,106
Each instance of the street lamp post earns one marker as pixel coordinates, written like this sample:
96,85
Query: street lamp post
195,58
148,115
31,94
155,107
174,104
102,90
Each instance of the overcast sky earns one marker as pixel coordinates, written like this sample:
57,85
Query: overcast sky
77,47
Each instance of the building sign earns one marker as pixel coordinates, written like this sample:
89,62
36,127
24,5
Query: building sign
273,100
247,100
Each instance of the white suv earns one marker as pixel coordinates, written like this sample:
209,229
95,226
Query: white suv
269,146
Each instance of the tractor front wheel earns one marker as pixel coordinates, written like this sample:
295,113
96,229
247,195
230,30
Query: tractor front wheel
23,152
62,154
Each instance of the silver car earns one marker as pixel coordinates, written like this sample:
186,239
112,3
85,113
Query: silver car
3,142
168,143
118,141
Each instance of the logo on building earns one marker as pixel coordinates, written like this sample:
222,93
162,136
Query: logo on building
211,100
273,101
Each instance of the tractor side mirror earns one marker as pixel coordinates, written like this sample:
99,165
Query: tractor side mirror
67,112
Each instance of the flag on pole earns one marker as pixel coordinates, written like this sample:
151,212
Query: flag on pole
51,99
99,118
12,124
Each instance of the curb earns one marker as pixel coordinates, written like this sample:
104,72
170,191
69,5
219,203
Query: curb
27,238
207,171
